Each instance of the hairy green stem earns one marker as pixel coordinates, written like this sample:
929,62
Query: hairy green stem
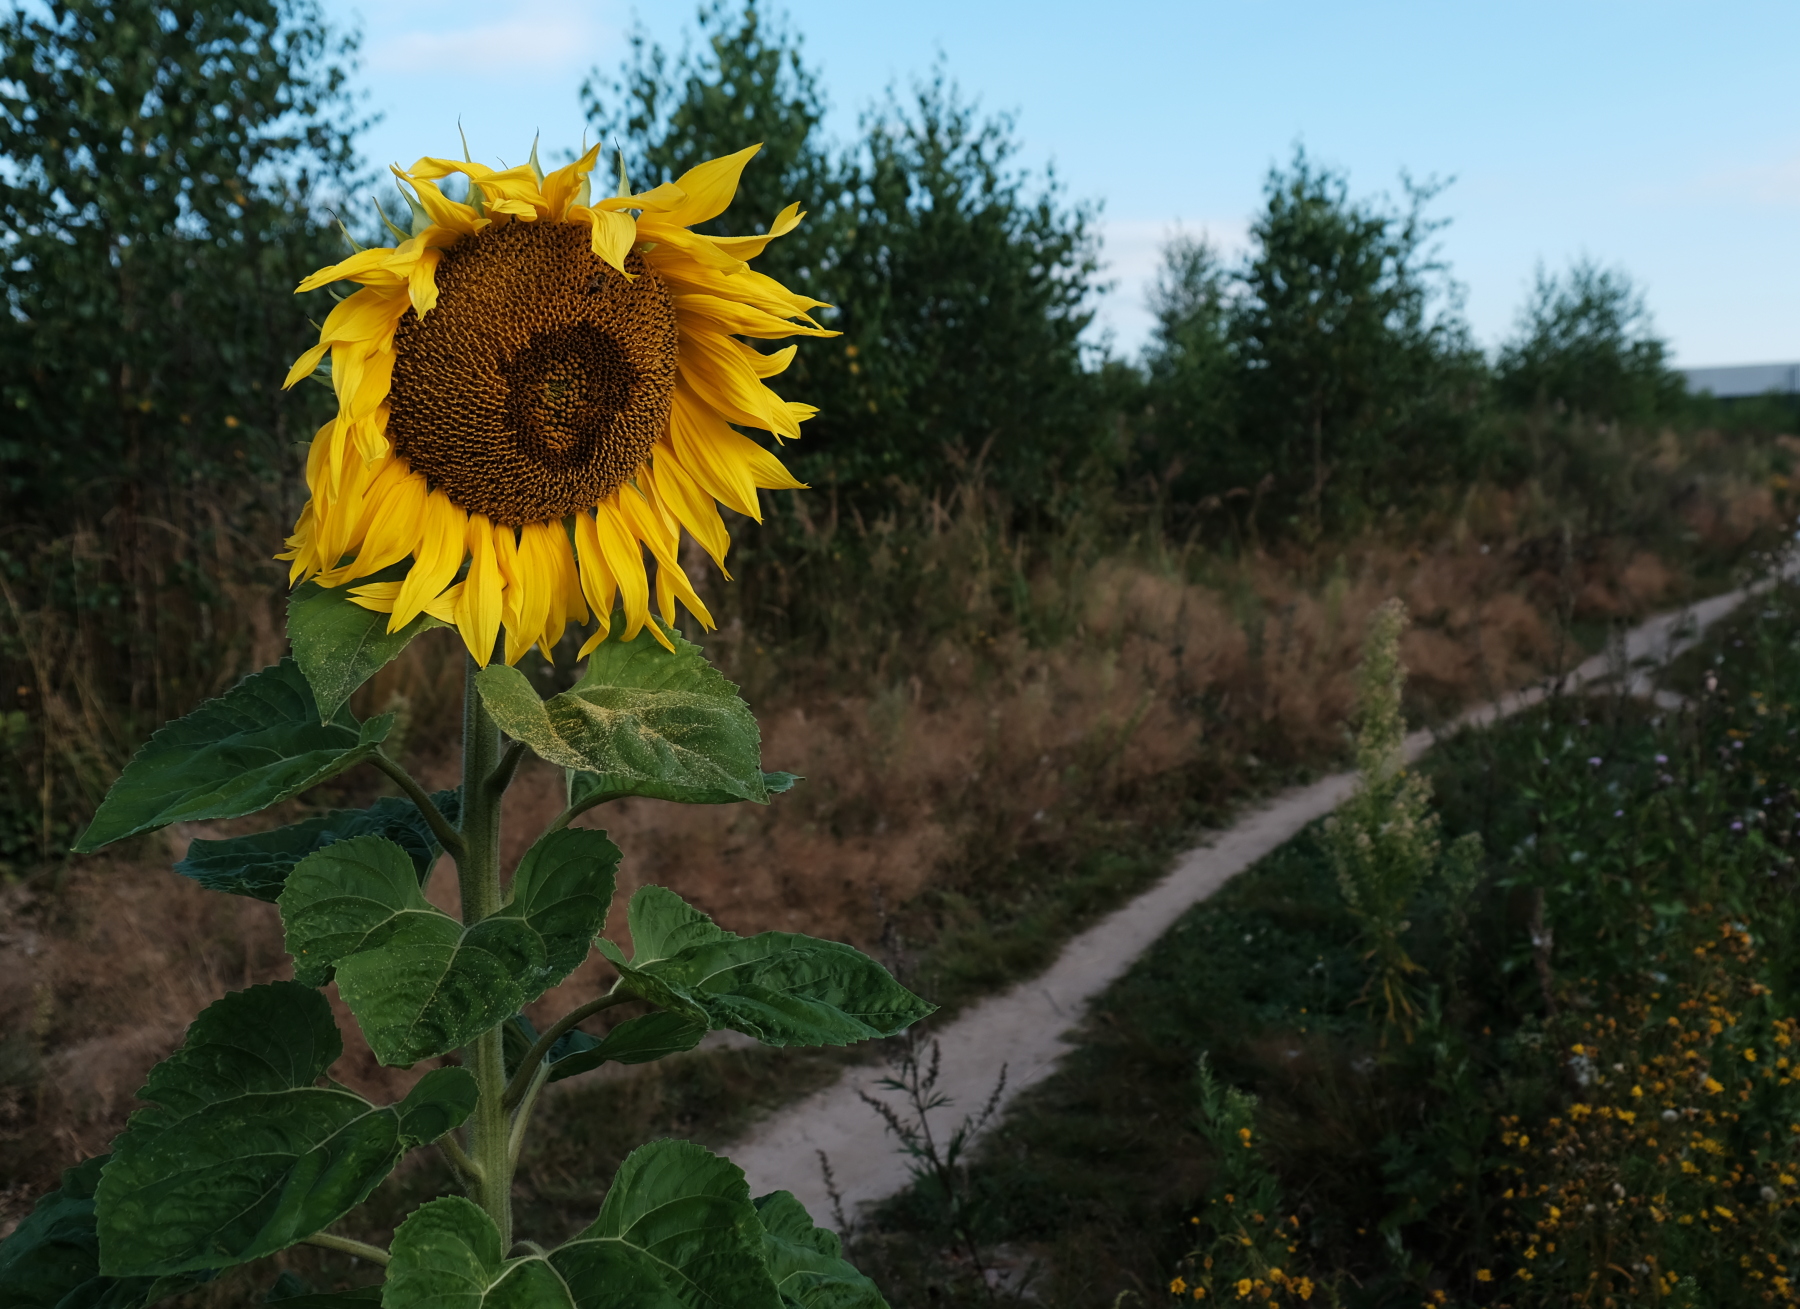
575,810
521,1081
522,1119
478,873
447,836
459,1159
362,1250
508,765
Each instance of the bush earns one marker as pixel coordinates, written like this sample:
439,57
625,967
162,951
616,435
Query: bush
1328,376
1585,345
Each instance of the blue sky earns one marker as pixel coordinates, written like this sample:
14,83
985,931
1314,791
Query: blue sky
1661,137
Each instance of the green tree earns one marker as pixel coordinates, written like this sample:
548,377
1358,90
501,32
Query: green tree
1585,344
1352,379
964,281
164,163
165,167
1191,383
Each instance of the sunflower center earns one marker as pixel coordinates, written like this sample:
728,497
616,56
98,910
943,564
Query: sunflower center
540,381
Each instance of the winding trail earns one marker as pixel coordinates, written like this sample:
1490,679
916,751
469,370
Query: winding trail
1027,1029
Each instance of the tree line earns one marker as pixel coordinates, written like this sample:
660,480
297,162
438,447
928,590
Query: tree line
172,168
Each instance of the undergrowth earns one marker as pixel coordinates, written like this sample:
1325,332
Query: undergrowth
1598,1104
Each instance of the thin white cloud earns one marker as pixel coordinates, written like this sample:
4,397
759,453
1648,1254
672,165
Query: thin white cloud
538,37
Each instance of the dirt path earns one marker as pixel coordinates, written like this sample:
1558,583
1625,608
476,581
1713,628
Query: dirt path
1027,1029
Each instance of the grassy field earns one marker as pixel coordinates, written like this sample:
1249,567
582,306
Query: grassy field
1596,1105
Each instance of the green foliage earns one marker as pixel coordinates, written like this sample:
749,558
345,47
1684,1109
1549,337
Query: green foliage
677,1229
420,982
259,865
447,1255
339,645
164,161
807,1262
1246,1247
638,1040
641,721
258,744
240,1154
1631,936
1329,375
52,1259
779,987
961,284
1585,345
1383,840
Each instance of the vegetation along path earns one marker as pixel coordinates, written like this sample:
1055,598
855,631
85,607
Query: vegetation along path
1022,1032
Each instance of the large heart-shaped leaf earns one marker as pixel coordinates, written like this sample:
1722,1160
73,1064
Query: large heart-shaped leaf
240,1154
643,720
52,1258
258,865
677,1231
256,745
807,1262
779,987
447,1255
339,645
419,982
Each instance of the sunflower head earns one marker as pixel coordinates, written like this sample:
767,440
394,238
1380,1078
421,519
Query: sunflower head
535,388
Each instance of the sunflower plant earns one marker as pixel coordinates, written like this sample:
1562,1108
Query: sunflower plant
538,394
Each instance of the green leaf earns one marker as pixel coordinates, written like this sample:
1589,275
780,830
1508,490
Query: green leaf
779,987
447,1255
780,783
339,645
52,1259
259,865
643,721
419,982
807,1262
256,745
240,1154
638,1040
677,1231
563,889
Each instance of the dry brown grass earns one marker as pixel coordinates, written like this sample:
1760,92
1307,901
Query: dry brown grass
1172,675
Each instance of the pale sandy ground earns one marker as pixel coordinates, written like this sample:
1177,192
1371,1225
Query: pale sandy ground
1028,1029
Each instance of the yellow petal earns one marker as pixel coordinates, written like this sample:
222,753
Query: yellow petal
675,488
671,580
561,187
748,247
368,315
421,283
435,562
596,579
740,319
716,368
306,365
709,187
614,235
444,211
624,560
357,266
478,608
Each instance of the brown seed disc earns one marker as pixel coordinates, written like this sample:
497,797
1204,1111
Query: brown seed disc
540,381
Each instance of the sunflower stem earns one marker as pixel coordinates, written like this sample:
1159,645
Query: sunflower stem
447,836
478,873
539,1052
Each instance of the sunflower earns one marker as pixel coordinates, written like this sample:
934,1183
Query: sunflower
534,389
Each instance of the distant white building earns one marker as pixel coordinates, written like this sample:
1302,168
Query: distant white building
1742,380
